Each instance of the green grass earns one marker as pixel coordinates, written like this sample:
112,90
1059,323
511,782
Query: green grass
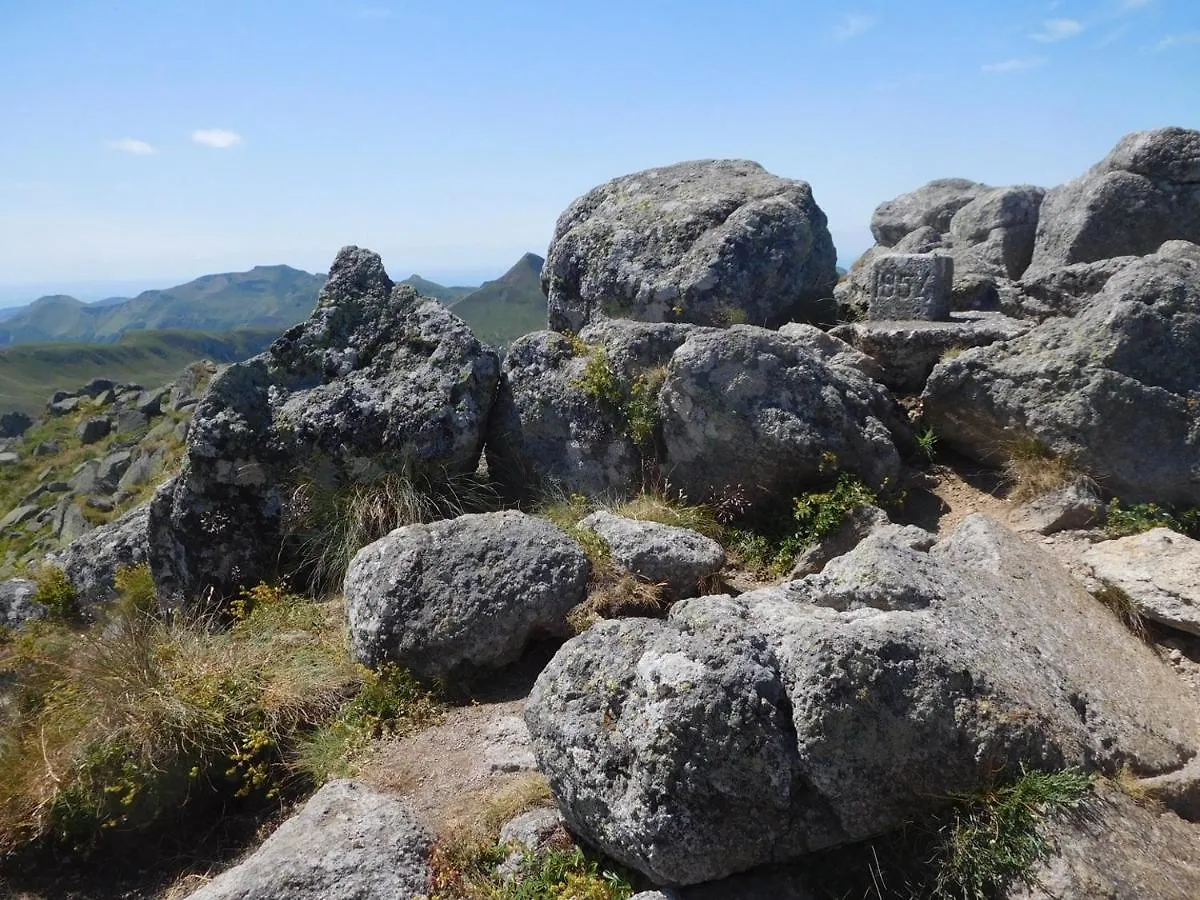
330,517
994,838
1126,520
30,373
976,848
137,725
773,543
466,860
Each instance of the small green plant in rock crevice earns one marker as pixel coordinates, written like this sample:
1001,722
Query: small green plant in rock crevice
995,837
635,402
1124,520
975,849
927,441
774,545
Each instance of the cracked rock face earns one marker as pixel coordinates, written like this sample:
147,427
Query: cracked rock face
379,379
709,242
1146,191
750,730
1115,389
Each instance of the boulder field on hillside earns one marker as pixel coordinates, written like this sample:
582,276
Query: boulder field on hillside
724,744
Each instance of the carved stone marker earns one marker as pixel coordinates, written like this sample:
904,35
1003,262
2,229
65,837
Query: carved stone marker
907,286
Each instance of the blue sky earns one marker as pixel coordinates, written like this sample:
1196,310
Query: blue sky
144,143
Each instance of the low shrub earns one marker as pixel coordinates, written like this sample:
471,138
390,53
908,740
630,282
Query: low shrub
56,592
1135,518
773,545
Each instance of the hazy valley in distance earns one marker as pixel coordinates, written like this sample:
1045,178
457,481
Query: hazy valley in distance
58,342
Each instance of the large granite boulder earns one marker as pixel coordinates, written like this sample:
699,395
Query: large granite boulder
762,414
933,205
710,242
17,603
463,593
1146,191
561,420
750,730
347,843
1114,389
378,380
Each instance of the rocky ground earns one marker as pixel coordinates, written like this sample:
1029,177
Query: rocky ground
744,606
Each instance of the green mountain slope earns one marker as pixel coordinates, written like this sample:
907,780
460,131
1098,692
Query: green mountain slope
29,374
427,288
265,297
512,305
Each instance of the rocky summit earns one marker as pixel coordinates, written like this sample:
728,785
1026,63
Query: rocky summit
735,582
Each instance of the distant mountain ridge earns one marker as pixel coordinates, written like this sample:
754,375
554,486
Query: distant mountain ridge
274,297
501,311
427,288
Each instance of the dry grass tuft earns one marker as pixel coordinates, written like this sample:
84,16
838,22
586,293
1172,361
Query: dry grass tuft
1033,470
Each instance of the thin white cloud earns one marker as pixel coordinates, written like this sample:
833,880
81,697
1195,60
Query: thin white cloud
1131,5
1057,30
853,25
1176,41
1112,37
1010,66
132,146
217,138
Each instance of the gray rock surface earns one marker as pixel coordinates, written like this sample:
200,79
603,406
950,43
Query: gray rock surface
1115,849
709,242
549,431
908,286
747,731
858,524
377,380
753,412
905,353
532,830
1064,291
1114,389
17,605
933,205
14,424
1074,506
92,560
93,429
678,558
1158,570
1146,191
994,233
347,843
463,593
